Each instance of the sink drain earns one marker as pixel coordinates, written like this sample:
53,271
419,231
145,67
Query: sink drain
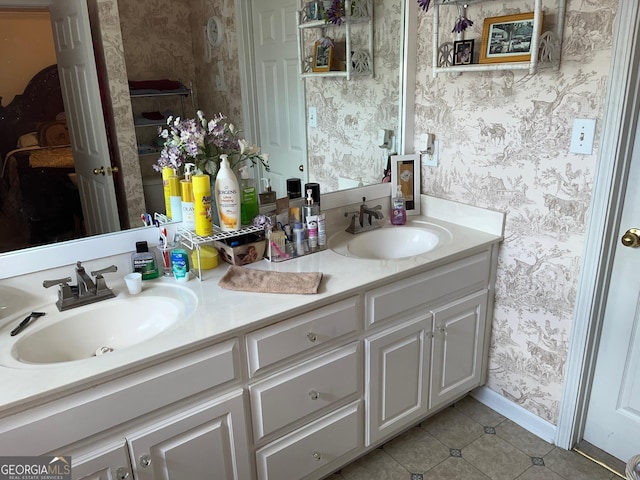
103,350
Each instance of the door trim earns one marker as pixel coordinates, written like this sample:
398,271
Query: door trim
618,133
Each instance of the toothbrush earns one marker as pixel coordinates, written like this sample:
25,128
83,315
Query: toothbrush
277,249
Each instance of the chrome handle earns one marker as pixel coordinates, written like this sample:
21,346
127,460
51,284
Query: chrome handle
631,238
122,473
312,337
59,281
313,395
442,330
301,168
317,456
109,269
145,461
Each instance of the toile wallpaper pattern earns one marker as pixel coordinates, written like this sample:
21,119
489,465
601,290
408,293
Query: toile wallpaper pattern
504,144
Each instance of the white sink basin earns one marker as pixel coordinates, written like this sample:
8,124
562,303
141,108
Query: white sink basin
390,242
100,328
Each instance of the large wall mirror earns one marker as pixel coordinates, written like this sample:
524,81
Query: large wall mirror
342,151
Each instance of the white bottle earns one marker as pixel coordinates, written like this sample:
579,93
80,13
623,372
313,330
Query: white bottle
186,190
227,197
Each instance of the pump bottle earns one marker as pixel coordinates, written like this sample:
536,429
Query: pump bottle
186,188
227,196
249,198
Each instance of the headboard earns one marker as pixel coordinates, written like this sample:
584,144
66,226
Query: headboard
40,102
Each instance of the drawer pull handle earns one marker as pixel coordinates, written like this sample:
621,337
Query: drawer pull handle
312,337
145,461
314,395
316,456
442,330
122,473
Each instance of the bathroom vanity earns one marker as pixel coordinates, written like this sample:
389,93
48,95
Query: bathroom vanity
264,386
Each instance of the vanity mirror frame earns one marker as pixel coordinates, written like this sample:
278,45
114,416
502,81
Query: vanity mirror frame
35,259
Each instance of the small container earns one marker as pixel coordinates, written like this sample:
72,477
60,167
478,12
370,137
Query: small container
398,211
294,188
299,240
207,260
144,262
322,231
312,232
180,264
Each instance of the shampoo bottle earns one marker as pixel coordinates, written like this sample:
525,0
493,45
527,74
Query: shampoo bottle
227,197
202,204
398,212
249,197
186,188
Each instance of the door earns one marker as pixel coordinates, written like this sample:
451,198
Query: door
106,462
207,441
457,357
613,416
81,95
280,90
397,376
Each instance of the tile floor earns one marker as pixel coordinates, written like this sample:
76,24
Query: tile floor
469,441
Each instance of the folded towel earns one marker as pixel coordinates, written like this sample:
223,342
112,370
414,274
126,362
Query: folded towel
250,280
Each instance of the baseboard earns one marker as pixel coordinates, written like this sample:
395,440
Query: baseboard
516,413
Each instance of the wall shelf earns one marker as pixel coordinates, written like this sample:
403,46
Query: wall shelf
546,44
363,17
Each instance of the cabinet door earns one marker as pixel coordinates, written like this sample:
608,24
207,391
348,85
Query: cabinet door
107,462
457,348
397,374
206,441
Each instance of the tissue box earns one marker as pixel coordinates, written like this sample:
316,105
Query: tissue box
242,250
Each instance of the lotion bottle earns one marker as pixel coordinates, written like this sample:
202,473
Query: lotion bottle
398,211
175,198
186,188
249,198
227,197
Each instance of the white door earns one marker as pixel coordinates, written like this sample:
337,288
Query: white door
613,418
81,95
280,90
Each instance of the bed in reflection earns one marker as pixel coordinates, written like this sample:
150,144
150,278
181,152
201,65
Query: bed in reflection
38,193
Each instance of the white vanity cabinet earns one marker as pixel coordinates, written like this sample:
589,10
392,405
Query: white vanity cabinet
109,461
306,391
427,344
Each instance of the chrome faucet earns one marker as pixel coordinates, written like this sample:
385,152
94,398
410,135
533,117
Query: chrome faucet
85,292
365,219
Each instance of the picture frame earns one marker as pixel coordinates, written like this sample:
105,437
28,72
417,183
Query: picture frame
463,52
508,38
322,57
405,171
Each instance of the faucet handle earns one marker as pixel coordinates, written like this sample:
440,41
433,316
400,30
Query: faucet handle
60,281
110,269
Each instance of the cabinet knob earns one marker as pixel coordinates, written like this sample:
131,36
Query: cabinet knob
145,461
442,330
316,456
312,337
313,395
122,473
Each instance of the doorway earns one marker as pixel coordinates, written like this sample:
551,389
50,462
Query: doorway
610,216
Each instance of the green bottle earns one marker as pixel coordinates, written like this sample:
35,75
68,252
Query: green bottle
248,197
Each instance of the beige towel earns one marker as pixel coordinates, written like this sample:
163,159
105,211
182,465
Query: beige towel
250,280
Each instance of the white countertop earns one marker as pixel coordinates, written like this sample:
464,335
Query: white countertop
220,314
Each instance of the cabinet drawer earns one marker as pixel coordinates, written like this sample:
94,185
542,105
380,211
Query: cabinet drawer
295,393
318,445
441,283
277,342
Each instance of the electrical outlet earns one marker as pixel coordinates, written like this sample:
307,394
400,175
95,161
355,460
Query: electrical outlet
432,159
584,130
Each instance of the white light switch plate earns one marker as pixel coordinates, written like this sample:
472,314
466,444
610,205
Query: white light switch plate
584,130
313,117
431,160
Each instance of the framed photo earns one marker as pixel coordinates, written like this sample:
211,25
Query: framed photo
405,171
507,38
463,52
321,57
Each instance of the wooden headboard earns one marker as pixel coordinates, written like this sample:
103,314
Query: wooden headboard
41,101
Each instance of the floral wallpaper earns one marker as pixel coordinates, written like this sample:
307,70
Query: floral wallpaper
343,149
504,144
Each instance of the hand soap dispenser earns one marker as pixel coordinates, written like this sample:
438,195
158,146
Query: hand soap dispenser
398,211
310,209
248,197
267,196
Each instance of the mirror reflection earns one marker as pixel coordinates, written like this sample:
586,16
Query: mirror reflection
341,151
